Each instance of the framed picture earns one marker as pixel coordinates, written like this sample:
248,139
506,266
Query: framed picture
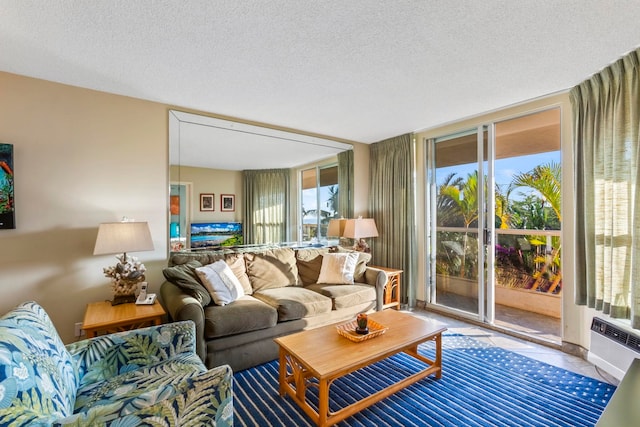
227,202
7,212
206,202
175,205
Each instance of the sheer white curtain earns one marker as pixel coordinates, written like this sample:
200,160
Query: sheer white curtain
606,113
266,205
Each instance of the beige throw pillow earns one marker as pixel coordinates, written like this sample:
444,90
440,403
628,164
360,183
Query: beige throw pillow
221,283
274,268
361,266
338,269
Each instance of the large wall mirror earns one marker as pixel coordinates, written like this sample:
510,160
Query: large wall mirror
207,157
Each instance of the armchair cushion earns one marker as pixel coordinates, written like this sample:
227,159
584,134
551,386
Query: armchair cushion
38,379
148,376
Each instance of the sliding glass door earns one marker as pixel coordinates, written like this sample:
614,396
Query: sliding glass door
319,195
494,223
457,220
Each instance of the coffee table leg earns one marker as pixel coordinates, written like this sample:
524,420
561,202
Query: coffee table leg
438,361
283,371
323,402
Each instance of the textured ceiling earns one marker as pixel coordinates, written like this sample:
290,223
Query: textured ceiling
360,70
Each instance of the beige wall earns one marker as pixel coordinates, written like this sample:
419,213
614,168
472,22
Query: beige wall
361,180
576,319
216,181
209,181
81,157
84,157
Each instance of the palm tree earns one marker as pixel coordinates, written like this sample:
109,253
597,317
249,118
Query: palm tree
447,208
502,207
465,198
332,203
546,180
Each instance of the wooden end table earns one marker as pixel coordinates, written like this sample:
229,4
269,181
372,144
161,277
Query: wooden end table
107,318
317,357
391,295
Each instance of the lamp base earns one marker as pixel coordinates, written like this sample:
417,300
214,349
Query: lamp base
123,299
361,245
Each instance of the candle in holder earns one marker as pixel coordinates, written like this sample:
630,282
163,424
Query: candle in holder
362,324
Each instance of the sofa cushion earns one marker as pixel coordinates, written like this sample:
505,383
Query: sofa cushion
245,314
309,262
237,264
343,296
338,268
294,302
222,284
185,277
37,375
361,265
273,268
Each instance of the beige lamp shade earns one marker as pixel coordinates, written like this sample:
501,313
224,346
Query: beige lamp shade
360,228
336,227
123,237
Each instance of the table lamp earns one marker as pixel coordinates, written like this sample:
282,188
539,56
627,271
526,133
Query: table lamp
360,229
336,227
120,238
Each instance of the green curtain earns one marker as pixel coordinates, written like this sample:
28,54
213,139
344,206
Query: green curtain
266,205
391,205
606,119
345,184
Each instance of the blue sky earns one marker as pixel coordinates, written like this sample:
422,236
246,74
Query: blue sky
505,169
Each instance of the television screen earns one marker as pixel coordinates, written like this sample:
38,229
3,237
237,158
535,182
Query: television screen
208,234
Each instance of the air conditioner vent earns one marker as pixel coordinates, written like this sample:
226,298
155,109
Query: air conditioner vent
634,343
616,334
612,347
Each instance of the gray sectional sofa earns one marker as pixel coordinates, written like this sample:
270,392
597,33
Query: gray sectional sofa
282,296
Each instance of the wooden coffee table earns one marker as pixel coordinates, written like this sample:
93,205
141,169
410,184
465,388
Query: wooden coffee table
319,356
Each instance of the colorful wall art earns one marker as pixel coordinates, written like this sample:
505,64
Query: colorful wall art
7,211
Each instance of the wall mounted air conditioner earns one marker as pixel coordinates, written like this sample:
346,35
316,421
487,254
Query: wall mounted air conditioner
613,348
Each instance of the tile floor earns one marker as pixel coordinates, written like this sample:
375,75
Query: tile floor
530,349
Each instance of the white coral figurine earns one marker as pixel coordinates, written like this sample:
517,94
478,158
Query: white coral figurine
125,275
129,268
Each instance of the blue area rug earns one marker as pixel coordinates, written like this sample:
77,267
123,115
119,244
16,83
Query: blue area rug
481,385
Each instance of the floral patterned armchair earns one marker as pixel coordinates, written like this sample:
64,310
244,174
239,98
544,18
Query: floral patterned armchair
149,376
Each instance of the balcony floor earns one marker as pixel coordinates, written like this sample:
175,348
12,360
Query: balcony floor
534,326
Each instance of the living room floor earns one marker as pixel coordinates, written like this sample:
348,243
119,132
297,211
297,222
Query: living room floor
533,350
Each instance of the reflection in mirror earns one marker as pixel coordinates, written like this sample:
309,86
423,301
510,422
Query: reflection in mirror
207,156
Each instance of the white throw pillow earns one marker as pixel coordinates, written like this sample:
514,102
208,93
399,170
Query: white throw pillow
338,269
221,283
